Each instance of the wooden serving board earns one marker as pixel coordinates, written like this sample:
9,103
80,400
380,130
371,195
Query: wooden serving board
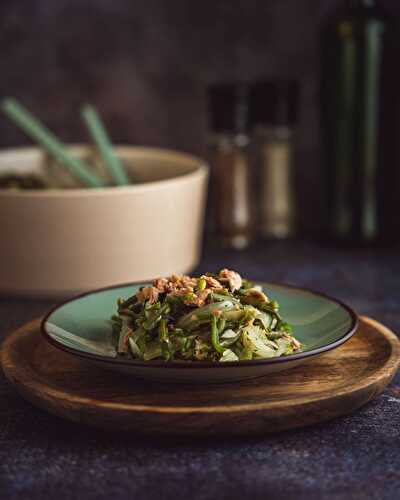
328,386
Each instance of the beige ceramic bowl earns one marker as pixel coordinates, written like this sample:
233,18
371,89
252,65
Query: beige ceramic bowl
59,241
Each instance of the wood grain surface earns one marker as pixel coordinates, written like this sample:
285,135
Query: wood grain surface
331,385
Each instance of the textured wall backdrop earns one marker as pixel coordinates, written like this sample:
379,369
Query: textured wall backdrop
145,64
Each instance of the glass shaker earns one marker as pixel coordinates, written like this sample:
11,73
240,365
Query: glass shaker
232,200
274,106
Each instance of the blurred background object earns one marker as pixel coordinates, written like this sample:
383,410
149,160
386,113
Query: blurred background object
146,65
232,196
273,110
360,123
56,242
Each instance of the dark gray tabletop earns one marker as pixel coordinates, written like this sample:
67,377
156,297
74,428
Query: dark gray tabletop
357,456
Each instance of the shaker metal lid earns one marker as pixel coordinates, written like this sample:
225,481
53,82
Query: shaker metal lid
274,102
229,107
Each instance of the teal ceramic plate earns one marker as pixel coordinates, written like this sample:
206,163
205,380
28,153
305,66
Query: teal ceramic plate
82,328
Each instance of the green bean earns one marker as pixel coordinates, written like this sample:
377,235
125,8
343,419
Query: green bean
268,307
220,297
284,327
214,335
274,305
127,312
243,323
125,303
201,284
221,324
151,321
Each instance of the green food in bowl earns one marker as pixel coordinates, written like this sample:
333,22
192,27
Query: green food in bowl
208,318
28,181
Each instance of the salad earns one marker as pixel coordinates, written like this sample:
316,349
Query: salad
214,317
14,181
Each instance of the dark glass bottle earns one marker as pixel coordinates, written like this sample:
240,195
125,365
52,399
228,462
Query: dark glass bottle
360,112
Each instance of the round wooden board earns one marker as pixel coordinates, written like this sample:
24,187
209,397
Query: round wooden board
328,386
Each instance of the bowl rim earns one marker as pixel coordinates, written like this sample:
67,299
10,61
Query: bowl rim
200,171
201,364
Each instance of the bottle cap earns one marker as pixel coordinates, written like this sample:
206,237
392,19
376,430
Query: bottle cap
229,107
274,102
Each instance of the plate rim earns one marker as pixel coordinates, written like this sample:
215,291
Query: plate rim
200,364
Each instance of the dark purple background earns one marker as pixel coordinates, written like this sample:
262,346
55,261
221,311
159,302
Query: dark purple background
145,66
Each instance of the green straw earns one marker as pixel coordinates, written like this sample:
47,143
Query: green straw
101,139
32,127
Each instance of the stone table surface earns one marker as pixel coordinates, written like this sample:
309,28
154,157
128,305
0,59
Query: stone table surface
358,456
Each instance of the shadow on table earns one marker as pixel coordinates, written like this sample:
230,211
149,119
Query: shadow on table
24,421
